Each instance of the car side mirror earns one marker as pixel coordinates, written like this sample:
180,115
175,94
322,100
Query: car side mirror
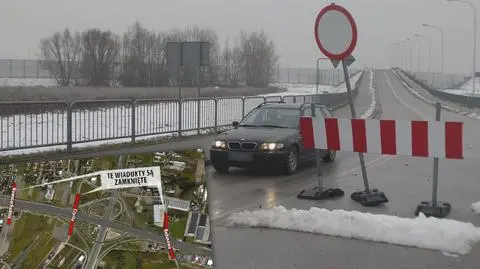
235,124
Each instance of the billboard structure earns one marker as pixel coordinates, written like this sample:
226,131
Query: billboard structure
127,178
187,61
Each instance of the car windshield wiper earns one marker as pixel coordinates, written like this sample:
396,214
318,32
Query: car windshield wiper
248,125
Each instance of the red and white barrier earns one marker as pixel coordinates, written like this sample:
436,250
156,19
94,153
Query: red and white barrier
171,251
11,206
389,137
74,213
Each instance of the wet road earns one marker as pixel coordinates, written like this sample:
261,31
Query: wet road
405,180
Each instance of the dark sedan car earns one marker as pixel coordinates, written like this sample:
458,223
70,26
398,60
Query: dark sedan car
269,135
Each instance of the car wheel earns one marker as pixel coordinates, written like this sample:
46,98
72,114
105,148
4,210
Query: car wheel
220,168
330,157
292,161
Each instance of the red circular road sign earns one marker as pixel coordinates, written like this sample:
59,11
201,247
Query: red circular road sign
335,32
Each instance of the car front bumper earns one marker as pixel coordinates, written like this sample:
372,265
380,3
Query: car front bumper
256,158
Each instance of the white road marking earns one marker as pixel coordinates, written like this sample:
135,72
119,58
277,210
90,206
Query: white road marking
401,100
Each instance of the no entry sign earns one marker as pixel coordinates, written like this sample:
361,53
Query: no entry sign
335,32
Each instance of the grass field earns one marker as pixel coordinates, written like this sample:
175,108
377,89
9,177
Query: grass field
177,228
68,254
88,197
39,231
145,260
42,248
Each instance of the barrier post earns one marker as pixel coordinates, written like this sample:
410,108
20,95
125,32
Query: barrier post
434,208
318,192
368,197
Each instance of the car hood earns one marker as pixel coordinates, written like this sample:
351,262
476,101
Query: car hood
257,134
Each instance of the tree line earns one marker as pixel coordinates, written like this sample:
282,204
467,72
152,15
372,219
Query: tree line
96,57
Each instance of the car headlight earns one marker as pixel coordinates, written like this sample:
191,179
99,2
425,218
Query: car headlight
272,146
219,144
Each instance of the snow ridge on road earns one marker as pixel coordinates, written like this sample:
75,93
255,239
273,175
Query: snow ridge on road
373,105
445,235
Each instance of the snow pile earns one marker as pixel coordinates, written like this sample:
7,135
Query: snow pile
466,88
28,82
370,110
476,207
445,235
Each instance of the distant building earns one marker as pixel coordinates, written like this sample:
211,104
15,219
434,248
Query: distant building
178,166
178,204
198,227
50,193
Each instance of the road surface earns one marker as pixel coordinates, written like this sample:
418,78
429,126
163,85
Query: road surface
405,180
92,257
47,209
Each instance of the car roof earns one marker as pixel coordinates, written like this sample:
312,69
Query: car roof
282,105
285,105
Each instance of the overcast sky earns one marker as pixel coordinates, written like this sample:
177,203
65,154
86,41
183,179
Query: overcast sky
288,22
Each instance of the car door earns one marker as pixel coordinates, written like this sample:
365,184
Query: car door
305,154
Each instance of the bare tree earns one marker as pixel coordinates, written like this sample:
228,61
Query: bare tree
232,64
99,50
259,58
60,53
143,57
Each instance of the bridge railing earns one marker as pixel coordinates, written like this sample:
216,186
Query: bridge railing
62,125
25,125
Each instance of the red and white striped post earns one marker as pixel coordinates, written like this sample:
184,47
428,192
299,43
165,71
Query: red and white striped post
171,251
74,213
12,204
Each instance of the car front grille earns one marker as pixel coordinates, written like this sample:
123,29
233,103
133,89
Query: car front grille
244,146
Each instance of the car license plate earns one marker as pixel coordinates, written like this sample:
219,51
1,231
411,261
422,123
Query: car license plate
240,156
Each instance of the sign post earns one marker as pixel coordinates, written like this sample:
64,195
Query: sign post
336,36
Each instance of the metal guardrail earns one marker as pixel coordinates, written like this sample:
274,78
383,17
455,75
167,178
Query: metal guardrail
465,100
59,124
437,80
25,125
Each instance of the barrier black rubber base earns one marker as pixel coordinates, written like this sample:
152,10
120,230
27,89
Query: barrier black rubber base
441,210
371,199
316,194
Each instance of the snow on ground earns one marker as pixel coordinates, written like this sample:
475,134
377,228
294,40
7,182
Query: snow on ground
373,104
301,89
448,236
28,82
466,88
113,125
476,207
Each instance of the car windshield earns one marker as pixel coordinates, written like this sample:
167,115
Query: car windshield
272,117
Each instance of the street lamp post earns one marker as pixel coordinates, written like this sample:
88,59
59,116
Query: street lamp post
474,38
396,58
408,41
317,81
419,55
429,51
442,45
